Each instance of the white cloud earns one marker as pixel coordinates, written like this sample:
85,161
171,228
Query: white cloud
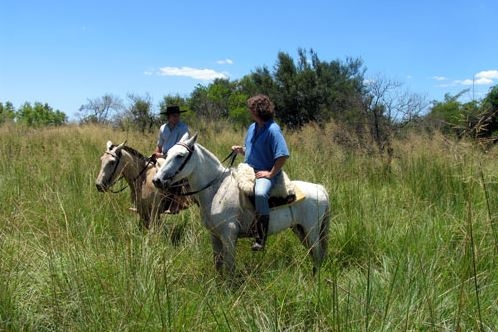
489,74
485,77
467,81
197,73
225,62
439,78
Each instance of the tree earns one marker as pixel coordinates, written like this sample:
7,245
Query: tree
7,112
40,115
212,101
139,112
309,90
491,99
100,110
389,108
482,119
448,115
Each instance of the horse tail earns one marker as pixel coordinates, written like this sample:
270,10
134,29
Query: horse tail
324,233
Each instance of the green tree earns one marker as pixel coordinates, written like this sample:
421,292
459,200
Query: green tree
448,115
139,112
491,99
212,101
310,90
40,115
7,112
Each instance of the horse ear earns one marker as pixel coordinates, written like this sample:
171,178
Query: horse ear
109,145
184,137
120,145
191,141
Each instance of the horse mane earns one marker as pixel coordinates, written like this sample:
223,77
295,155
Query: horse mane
208,153
132,151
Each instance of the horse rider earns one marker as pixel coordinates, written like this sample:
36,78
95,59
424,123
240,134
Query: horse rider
266,151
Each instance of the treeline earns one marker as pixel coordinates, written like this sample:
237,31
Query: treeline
35,115
304,90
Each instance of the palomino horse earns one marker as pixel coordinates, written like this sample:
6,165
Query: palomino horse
228,214
138,170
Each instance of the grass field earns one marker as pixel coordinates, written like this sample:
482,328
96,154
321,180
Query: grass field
413,245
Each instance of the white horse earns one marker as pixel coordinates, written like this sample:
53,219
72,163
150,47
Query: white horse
138,170
228,214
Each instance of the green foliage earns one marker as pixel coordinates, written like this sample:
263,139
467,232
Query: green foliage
310,90
476,119
138,115
39,115
452,115
221,99
491,99
7,112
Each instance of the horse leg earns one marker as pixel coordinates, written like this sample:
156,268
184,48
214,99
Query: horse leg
228,239
144,215
217,252
311,240
229,256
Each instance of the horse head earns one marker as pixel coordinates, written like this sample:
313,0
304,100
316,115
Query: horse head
176,165
111,166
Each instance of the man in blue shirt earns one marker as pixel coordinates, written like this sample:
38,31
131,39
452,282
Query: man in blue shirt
170,133
266,151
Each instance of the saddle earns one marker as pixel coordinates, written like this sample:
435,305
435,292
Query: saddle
283,191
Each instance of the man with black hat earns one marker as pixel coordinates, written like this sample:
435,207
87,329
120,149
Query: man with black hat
169,134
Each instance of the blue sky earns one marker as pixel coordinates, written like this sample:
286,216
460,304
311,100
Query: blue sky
66,52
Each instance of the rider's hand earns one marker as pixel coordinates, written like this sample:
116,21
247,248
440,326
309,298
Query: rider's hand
238,149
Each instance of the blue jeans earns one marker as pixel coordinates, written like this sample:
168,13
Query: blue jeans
262,189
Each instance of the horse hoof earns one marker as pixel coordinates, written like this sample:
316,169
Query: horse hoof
258,247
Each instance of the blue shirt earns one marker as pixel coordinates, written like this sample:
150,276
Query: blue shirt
264,145
169,137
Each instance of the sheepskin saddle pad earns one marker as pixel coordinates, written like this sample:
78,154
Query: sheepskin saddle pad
283,192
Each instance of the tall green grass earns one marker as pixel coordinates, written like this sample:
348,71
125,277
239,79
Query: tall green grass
413,243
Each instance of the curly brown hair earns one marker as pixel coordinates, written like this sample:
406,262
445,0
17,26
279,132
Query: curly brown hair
262,105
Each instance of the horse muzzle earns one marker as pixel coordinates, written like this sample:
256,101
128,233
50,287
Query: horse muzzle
160,184
100,187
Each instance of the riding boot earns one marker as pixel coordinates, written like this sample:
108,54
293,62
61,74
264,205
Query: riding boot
262,223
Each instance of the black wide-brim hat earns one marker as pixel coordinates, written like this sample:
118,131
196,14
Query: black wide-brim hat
173,110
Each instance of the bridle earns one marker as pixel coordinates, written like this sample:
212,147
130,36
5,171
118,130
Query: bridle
118,159
190,150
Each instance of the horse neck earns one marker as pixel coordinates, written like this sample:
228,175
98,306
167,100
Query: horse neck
207,168
132,167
